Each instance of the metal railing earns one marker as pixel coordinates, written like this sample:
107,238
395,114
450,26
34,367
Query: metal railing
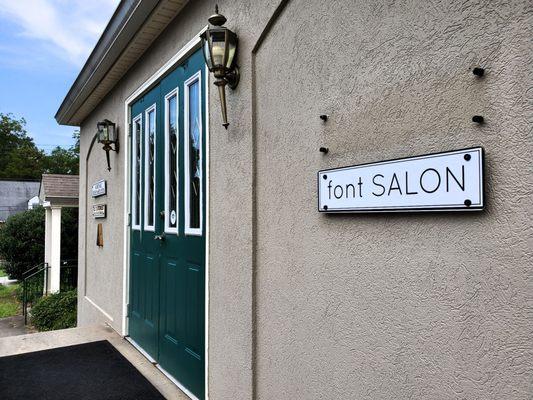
35,282
68,278
34,286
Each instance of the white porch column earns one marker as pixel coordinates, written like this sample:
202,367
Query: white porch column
55,250
47,234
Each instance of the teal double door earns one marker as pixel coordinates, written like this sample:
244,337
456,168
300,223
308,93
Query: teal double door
167,263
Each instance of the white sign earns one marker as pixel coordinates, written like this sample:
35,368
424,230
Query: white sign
99,188
99,211
443,181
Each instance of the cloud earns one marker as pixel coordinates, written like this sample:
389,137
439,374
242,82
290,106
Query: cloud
70,29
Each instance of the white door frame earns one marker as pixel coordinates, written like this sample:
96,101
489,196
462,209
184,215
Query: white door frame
193,45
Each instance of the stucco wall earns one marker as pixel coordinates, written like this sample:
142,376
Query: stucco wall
101,268
404,306
355,306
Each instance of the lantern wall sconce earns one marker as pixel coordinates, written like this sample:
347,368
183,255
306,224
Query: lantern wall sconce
219,46
107,135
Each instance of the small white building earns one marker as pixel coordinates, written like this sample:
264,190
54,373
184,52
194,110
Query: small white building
33,202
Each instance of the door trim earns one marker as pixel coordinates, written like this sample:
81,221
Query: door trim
146,178
137,206
166,112
186,144
193,45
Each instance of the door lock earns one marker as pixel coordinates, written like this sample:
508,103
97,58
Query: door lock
160,237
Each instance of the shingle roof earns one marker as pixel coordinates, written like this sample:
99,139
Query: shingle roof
56,185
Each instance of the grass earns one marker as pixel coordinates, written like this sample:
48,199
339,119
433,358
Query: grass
9,303
2,273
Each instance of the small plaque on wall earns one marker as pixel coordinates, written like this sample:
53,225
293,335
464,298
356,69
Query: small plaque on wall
99,188
448,181
99,211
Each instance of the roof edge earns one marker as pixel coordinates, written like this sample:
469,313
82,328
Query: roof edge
127,19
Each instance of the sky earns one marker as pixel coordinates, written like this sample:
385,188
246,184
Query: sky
43,46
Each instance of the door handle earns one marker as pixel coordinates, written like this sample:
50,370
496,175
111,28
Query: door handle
160,237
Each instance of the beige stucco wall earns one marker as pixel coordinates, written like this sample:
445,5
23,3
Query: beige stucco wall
392,306
402,306
100,268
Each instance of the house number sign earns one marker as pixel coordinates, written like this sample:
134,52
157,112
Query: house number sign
99,188
449,181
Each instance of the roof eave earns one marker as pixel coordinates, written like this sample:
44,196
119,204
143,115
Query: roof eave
128,18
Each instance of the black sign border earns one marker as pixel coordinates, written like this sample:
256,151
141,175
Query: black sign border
458,207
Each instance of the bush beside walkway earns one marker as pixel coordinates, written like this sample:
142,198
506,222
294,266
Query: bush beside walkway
55,311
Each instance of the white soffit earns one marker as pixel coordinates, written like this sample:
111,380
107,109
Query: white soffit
73,111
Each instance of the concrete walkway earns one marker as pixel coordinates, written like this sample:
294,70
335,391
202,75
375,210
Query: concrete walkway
12,326
66,337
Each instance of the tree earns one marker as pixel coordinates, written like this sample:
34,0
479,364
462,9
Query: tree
22,240
19,157
62,161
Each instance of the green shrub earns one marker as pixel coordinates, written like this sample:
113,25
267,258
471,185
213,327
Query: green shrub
22,240
56,311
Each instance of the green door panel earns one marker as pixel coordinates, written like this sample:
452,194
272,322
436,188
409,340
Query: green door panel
144,276
167,277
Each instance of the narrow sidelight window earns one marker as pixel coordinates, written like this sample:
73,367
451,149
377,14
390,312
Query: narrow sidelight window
149,168
136,182
193,156
171,162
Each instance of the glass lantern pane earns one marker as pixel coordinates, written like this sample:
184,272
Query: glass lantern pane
111,135
218,49
232,48
100,130
105,134
207,54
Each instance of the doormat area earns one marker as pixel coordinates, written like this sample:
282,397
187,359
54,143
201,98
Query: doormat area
86,371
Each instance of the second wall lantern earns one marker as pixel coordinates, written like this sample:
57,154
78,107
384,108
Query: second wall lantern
107,135
219,46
